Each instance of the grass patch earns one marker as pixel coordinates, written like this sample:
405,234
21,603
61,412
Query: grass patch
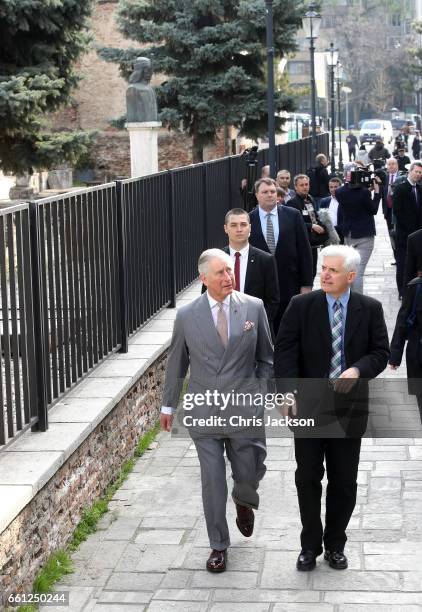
59,563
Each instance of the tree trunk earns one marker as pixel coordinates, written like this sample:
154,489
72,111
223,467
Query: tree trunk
197,150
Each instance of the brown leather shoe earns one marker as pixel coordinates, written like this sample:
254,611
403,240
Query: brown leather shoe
245,520
217,561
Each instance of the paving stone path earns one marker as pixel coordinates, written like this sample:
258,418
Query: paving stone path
150,550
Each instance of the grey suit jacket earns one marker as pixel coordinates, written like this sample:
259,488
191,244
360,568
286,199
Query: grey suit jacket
240,367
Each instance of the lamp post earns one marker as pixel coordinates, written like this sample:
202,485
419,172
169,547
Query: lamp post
332,58
270,89
311,24
347,91
339,76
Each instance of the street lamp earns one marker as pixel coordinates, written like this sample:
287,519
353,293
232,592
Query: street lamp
332,59
270,89
347,91
311,24
339,77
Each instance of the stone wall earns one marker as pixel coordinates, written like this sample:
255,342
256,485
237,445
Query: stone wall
48,521
111,152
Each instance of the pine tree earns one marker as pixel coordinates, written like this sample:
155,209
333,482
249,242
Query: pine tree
213,55
40,41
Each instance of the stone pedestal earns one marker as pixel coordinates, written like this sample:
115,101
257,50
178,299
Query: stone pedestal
23,189
143,147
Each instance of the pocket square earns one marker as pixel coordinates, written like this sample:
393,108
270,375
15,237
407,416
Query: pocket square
249,325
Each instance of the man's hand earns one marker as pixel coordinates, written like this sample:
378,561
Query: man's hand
166,421
393,367
305,290
285,409
317,229
347,380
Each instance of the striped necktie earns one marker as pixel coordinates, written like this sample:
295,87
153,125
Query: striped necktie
270,234
336,340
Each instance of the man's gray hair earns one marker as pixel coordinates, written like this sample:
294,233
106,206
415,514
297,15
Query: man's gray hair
208,255
414,165
350,255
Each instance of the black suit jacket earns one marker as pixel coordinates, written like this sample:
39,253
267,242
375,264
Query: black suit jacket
357,211
407,214
413,256
303,351
293,254
261,281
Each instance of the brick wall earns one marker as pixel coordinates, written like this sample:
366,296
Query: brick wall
47,522
111,152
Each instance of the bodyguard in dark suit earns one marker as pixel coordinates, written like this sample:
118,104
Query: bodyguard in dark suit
255,270
339,338
413,263
279,230
407,211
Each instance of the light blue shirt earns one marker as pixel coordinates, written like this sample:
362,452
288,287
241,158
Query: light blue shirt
263,219
344,301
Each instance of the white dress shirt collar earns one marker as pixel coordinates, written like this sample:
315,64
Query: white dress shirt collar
243,252
214,302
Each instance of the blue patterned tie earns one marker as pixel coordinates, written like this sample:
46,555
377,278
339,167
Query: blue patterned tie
336,339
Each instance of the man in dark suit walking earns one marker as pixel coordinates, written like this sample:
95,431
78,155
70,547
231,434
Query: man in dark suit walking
339,339
407,211
280,230
255,270
413,264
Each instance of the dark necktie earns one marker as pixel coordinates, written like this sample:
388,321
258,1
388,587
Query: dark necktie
237,270
416,194
390,193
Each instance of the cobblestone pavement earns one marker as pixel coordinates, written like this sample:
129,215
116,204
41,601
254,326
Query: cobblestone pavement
150,550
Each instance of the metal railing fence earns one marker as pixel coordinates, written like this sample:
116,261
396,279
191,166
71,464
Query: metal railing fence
81,272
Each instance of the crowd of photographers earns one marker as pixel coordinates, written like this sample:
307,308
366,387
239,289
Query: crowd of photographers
341,209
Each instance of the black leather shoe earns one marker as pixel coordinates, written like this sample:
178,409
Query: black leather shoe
306,561
336,559
217,561
245,520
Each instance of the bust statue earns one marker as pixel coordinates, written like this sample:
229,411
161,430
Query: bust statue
141,101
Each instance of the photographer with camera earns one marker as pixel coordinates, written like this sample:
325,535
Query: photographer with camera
247,190
379,152
359,200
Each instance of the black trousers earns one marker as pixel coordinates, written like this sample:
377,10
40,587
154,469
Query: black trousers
400,255
342,460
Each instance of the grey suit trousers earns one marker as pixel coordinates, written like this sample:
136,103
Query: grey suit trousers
246,456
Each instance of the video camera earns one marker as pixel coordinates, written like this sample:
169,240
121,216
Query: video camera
250,157
360,176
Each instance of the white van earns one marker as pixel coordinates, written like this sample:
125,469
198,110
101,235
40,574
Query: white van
373,129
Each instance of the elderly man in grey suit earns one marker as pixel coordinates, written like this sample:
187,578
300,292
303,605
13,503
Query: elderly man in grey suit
224,337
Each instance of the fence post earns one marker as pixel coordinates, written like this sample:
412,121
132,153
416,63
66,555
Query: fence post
41,367
122,254
205,204
172,241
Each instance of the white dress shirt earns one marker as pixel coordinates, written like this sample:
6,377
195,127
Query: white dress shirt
243,259
263,219
332,210
214,305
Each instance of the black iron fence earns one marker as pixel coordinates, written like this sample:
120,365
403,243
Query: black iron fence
81,272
